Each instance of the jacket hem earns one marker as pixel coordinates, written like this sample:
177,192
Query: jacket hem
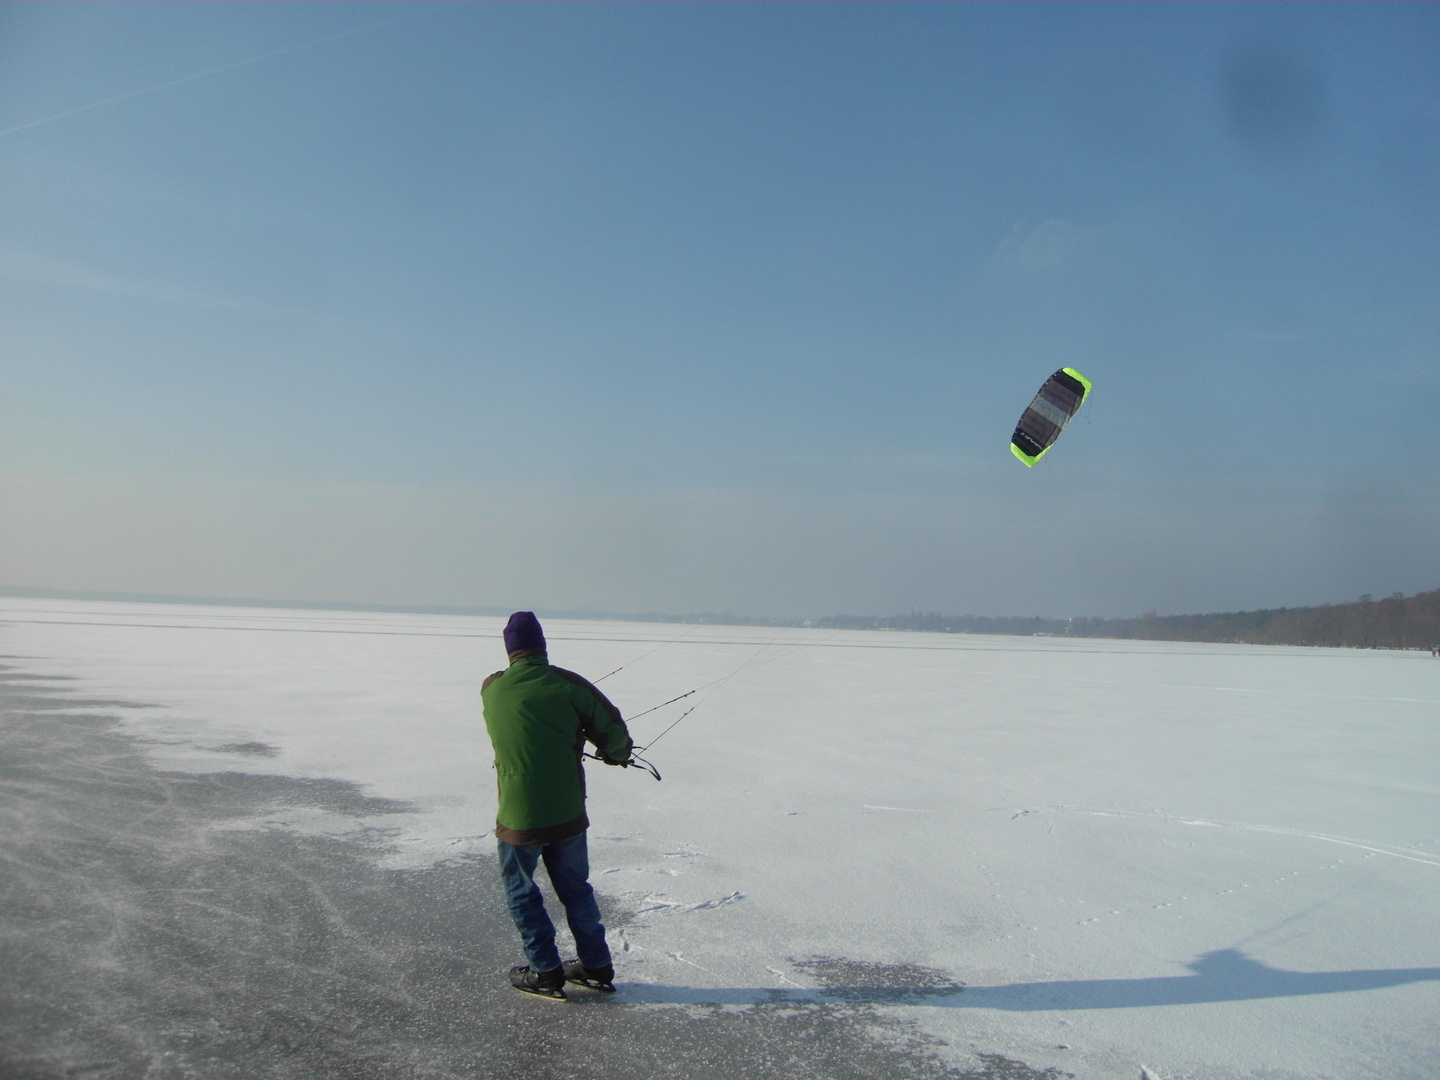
548,834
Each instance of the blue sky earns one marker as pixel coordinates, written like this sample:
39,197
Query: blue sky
720,306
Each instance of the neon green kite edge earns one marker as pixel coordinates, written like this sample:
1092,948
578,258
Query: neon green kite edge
1026,458
1029,460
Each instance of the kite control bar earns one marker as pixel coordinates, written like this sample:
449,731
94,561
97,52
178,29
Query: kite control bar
635,759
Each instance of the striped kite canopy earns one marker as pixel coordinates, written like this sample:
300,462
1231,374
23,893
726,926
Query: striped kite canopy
1046,416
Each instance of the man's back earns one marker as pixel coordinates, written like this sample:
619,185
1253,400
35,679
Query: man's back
539,718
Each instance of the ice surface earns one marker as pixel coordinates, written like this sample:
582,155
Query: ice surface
1215,861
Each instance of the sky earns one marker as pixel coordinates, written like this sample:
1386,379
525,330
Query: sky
720,307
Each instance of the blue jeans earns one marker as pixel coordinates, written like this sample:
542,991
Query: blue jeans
568,864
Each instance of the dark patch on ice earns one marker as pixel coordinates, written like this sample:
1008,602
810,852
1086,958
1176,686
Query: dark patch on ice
138,941
857,980
251,749
35,699
230,794
12,673
999,1067
44,697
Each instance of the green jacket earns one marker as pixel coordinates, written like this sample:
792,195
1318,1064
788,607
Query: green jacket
539,718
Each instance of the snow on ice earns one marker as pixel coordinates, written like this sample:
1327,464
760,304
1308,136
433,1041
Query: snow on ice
1218,861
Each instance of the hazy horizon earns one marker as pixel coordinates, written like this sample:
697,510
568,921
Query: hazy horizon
732,308
740,617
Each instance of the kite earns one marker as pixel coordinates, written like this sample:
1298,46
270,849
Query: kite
1045,417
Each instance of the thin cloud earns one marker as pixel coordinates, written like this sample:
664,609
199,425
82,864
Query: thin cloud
205,74
1049,245
58,273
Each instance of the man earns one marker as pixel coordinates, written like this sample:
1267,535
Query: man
539,718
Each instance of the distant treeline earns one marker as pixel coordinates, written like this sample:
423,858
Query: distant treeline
954,624
1396,622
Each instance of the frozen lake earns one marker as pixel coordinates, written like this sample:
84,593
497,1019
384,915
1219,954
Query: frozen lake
1210,861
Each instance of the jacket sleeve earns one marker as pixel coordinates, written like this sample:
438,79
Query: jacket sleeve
600,720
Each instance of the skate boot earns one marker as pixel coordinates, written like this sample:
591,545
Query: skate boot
546,984
594,978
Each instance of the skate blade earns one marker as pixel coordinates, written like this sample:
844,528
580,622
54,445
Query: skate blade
591,984
548,995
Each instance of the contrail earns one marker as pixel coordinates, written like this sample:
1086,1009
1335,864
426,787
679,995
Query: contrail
211,71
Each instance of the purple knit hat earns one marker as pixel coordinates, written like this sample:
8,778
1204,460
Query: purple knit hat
523,632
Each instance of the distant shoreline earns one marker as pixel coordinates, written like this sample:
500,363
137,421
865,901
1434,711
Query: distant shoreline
1394,622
